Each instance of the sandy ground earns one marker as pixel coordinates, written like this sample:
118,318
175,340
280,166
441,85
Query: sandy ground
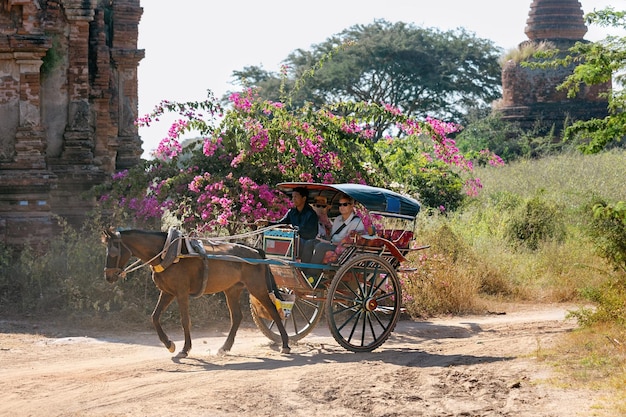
468,366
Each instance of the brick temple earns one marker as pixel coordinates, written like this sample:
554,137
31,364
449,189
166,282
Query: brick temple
68,101
529,96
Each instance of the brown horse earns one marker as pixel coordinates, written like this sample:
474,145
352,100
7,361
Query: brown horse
194,275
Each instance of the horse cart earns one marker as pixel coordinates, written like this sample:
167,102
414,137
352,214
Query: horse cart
357,289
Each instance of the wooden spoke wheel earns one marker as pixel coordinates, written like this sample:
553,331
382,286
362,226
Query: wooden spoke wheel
363,303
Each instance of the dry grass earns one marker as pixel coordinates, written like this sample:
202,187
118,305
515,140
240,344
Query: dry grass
525,51
593,358
570,180
439,286
477,258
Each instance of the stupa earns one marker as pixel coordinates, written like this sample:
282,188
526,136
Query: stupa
529,96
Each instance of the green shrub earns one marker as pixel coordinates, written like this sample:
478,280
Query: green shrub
489,131
437,185
53,58
535,222
609,304
9,288
608,232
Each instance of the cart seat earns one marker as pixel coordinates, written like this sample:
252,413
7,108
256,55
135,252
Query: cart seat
401,238
393,241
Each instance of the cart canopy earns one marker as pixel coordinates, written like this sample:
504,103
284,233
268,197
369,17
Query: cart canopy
374,199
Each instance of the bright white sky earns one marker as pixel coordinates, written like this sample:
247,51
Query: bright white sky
194,45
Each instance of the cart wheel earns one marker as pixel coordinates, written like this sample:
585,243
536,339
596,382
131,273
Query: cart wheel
303,318
363,303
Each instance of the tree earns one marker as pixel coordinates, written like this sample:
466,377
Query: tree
422,72
485,129
596,63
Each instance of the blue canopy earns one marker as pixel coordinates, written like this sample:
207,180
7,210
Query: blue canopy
374,199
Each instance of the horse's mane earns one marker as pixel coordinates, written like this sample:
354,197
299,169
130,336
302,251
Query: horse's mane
145,232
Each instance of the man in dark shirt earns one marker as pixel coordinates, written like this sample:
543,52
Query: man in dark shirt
303,216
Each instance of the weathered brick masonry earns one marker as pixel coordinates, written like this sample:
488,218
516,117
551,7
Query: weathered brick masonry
68,101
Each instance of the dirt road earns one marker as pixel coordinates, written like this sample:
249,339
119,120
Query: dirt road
469,366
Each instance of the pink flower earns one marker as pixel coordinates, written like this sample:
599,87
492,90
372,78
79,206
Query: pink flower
306,177
168,148
211,145
237,160
393,110
120,175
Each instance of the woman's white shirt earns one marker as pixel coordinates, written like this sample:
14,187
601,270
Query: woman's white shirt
353,222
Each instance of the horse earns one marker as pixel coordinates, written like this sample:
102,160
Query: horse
193,276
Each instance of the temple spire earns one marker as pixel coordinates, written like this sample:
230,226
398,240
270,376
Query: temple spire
555,20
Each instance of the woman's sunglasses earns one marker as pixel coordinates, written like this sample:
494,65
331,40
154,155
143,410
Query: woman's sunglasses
345,204
320,205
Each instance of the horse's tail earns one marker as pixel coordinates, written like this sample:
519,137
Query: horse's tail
261,252
269,277
271,282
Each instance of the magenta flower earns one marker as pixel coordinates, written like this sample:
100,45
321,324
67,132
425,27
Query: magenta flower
120,175
210,146
306,177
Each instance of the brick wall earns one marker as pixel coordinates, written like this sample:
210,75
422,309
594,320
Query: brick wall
65,67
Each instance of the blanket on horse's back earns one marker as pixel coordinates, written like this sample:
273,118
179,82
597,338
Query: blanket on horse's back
172,250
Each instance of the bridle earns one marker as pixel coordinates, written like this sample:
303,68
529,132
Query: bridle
115,251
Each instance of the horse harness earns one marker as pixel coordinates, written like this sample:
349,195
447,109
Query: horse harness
170,254
115,251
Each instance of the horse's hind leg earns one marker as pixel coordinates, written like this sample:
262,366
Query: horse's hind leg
233,296
164,301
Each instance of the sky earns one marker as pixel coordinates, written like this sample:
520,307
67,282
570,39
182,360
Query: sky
192,46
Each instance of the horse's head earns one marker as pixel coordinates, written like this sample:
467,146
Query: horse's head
118,255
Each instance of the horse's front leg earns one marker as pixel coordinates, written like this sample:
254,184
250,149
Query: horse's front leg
164,301
185,321
233,296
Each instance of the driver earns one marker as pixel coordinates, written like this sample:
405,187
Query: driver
302,216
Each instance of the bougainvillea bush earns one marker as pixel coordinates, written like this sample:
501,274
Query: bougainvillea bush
225,179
